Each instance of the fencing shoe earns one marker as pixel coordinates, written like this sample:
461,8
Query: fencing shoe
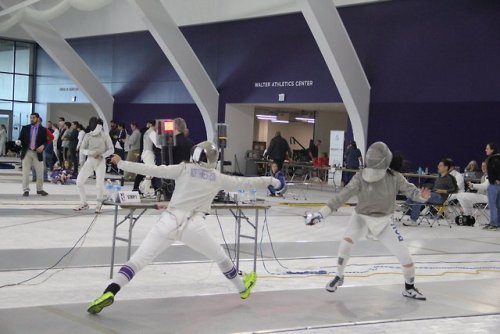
98,208
104,301
335,283
249,280
82,207
414,294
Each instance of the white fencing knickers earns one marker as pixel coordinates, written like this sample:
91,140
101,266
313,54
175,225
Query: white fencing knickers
184,226
92,164
386,232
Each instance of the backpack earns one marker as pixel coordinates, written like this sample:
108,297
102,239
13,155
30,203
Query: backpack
465,220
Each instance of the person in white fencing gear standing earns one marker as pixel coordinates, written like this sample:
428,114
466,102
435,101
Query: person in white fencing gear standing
197,183
376,187
148,156
96,145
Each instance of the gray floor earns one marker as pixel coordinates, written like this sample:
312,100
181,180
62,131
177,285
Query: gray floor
458,269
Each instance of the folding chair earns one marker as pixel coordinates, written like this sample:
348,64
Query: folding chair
433,213
481,212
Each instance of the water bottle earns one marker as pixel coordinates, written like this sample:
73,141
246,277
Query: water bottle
426,171
116,189
108,186
253,195
241,196
419,171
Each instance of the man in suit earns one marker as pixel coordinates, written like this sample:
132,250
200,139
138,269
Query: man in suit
32,139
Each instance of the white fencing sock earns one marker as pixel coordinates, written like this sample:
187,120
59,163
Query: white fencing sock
229,270
344,255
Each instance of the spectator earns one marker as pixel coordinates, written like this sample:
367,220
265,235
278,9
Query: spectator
445,184
3,139
314,149
97,145
148,157
134,145
279,150
50,139
32,139
468,199
491,149
352,160
181,152
277,174
493,169
58,150
63,176
471,166
72,147
458,177
120,143
376,188
113,131
81,135
55,157
65,140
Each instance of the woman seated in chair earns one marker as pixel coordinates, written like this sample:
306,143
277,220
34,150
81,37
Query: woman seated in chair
278,174
445,184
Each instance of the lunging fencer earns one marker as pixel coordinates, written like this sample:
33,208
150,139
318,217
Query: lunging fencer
376,187
197,183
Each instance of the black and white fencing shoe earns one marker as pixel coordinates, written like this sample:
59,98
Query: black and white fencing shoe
335,283
413,293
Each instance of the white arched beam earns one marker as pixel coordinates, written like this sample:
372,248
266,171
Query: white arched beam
182,57
70,63
74,67
342,61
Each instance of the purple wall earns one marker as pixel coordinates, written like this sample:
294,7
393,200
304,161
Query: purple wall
432,65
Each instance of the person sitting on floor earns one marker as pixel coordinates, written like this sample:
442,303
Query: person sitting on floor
277,174
63,176
445,184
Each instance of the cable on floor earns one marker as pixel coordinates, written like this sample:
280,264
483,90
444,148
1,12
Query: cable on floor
81,238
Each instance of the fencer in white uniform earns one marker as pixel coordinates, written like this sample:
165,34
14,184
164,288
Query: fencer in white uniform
148,157
196,184
97,146
376,187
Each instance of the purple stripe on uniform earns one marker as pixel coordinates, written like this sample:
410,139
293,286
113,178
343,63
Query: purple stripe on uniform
127,272
231,273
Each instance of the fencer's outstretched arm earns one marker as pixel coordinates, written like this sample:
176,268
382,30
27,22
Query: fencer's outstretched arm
233,183
352,189
165,172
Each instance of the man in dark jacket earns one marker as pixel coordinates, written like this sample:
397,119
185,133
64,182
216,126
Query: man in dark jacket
279,150
32,139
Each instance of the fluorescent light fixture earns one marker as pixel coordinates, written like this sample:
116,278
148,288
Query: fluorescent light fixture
305,119
266,117
279,121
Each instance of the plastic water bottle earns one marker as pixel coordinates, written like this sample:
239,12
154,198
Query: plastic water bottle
419,171
117,187
426,171
253,195
108,186
241,196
